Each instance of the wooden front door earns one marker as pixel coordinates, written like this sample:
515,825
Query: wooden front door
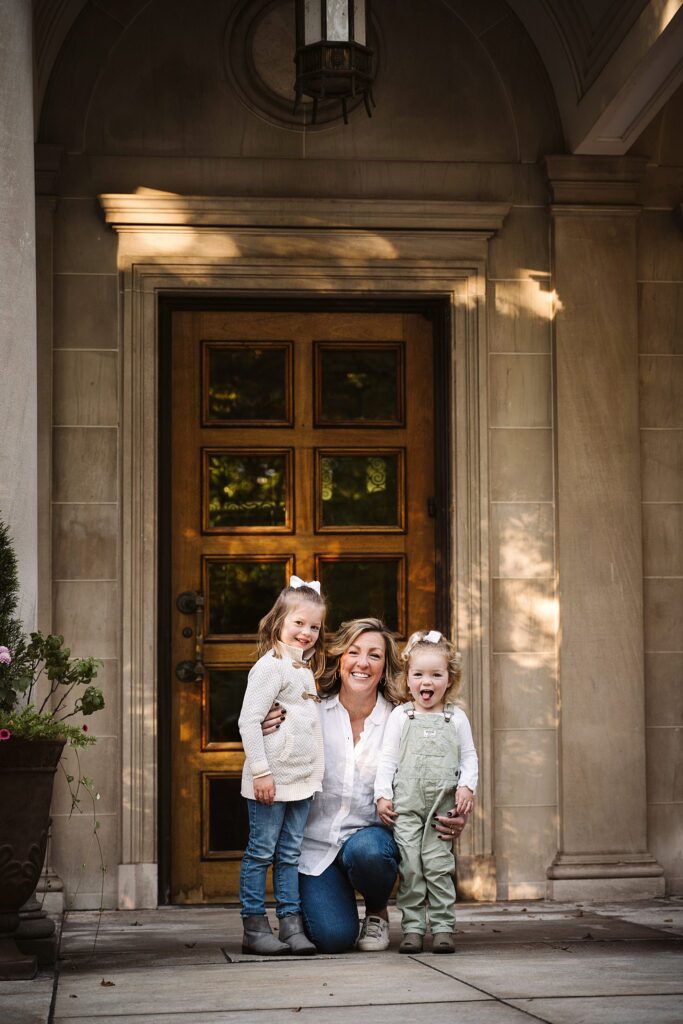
301,442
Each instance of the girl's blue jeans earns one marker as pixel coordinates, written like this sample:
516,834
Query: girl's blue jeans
276,832
368,863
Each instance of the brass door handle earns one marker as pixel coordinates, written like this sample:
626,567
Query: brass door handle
191,602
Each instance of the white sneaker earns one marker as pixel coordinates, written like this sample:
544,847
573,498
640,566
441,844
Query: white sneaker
374,935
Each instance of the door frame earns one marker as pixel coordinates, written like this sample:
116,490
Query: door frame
206,248
437,311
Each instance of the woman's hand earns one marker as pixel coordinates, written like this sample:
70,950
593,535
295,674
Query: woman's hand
464,800
386,812
264,789
449,826
273,719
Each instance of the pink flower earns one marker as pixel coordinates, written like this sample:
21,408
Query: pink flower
5,734
5,656
85,728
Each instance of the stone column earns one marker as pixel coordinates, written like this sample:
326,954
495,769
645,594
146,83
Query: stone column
603,838
18,298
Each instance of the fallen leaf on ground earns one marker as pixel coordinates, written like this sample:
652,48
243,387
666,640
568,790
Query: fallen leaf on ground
72,996
667,920
190,945
107,984
587,936
496,930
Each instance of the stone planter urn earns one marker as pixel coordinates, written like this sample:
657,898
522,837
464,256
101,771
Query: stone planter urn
27,772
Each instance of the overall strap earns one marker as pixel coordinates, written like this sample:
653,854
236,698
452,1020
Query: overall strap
448,711
409,709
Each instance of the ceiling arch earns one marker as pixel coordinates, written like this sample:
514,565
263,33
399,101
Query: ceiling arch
612,64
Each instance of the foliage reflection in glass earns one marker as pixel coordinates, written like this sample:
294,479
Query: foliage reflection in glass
248,383
247,490
360,384
356,588
240,594
359,490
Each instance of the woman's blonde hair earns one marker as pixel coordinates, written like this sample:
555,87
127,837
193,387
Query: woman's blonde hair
270,626
339,643
418,642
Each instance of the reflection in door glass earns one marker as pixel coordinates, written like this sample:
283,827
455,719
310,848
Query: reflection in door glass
240,593
247,489
225,694
360,490
247,383
358,587
357,385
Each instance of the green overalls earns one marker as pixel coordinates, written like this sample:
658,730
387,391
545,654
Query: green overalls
424,785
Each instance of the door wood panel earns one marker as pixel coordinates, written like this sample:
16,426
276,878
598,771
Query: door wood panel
344,494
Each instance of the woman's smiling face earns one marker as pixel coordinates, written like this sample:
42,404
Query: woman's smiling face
362,665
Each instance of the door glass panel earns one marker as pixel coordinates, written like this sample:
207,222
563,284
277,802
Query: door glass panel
247,490
358,586
240,592
357,384
360,490
226,826
224,694
247,383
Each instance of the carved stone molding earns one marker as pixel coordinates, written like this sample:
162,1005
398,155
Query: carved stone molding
586,184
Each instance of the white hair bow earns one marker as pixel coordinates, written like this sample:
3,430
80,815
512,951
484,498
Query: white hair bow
432,637
295,582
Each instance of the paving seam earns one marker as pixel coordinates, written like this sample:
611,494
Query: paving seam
289,1009
53,1000
478,988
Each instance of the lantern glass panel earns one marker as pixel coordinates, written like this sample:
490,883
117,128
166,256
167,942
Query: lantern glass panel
338,20
359,22
312,22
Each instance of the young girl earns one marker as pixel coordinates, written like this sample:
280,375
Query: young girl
282,771
428,757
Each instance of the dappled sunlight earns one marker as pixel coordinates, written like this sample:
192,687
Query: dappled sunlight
531,294
669,10
525,543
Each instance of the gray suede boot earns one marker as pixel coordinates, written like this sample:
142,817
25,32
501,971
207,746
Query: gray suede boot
259,939
292,932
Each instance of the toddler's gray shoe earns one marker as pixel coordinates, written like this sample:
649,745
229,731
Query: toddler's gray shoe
259,939
411,943
292,932
442,942
374,935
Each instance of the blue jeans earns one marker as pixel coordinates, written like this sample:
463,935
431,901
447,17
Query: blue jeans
276,832
367,862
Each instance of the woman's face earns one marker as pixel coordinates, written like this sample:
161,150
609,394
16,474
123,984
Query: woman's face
362,665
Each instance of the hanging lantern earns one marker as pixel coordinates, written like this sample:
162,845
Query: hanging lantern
333,60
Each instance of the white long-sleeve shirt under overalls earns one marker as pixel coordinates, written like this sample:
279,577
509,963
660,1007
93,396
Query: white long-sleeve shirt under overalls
425,757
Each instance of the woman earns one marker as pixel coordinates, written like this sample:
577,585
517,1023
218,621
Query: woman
345,847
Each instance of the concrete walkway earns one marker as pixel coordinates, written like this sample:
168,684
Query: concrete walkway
516,963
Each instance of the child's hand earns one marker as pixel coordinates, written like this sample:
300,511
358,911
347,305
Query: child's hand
464,800
386,812
264,789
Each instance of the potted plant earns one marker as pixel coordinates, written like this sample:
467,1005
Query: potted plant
41,688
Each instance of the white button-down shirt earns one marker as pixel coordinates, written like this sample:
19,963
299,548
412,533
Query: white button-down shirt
347,801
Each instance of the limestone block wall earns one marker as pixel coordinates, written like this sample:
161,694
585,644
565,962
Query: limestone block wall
85,529
522,561
661,423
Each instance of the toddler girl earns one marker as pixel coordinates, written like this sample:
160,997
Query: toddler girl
429,760
283,770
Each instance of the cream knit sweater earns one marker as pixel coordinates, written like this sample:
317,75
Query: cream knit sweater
293,754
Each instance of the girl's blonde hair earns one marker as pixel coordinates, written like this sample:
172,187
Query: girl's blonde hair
339,643
418,642
270,626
